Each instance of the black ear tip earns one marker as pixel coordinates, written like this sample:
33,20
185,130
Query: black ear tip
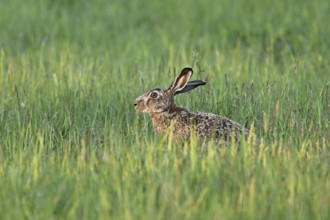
187,69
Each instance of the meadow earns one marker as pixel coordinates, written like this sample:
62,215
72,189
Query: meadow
72,145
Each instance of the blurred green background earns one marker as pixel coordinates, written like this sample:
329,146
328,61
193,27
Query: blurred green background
72,145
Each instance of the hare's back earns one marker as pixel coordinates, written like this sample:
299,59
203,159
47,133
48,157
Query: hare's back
211,125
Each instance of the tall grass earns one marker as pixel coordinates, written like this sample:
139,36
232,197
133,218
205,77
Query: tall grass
72,145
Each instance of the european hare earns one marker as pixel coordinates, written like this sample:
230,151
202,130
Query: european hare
160,105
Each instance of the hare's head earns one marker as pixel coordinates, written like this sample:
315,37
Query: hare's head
161,100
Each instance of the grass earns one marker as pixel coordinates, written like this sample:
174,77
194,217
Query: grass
73,147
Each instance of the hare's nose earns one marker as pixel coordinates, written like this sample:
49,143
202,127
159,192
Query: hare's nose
135,104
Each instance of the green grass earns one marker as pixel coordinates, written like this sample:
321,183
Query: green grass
73,147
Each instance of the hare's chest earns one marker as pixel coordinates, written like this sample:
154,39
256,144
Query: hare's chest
161,124
161,127
179,127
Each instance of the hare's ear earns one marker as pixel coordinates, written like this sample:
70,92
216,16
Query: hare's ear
191,85
181,80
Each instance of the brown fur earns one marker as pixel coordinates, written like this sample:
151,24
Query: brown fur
165,114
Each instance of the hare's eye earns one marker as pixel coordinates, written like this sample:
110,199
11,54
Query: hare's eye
153,95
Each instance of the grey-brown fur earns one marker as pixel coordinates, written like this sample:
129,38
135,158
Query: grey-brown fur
160,105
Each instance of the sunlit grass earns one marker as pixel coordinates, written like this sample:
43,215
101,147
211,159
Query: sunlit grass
72,145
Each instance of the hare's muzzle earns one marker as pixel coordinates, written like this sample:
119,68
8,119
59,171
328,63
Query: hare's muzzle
140,105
